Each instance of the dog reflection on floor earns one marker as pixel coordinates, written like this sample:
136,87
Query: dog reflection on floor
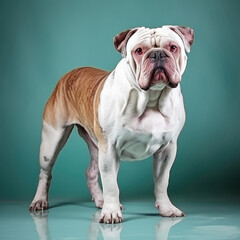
109,231
41,223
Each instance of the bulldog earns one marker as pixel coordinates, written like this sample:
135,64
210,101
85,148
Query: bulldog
131,113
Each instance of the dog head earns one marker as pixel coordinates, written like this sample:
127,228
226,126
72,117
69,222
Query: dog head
156,56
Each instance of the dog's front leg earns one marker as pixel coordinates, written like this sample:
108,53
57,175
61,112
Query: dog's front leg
162,163
108,166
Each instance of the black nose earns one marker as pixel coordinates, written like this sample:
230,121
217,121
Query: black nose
157,55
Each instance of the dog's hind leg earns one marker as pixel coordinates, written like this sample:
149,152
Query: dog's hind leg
92,172
53,140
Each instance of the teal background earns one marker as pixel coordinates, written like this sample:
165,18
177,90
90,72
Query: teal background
42,40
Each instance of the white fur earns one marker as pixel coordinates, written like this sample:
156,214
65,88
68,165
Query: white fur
135,124
138,124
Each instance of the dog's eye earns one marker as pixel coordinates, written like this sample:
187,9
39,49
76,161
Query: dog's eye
173,48
139,51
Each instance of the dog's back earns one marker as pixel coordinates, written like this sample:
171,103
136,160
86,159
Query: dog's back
74,97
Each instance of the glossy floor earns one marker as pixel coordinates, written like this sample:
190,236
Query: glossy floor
79,220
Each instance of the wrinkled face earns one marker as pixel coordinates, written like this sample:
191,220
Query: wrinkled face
157,57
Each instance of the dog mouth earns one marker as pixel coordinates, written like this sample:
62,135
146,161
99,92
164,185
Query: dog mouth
160,75
172,85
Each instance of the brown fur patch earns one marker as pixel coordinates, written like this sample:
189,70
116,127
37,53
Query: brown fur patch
75,100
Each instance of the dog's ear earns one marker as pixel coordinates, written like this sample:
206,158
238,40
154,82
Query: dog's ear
186,34
120,41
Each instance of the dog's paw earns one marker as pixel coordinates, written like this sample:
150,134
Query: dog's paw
98,202
97,198
168,210
39,205
111,213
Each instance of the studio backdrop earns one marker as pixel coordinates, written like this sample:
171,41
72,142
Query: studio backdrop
42,40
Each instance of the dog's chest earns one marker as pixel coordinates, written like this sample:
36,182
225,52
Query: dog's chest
142,123
142,137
